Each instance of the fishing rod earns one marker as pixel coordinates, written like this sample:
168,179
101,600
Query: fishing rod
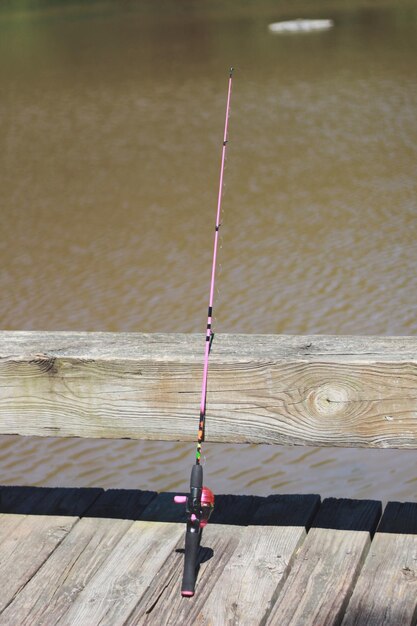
200,501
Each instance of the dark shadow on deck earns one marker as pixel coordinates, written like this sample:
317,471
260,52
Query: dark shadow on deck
47,500
399,517
346,514
277,510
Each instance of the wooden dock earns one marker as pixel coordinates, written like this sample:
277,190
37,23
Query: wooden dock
90,557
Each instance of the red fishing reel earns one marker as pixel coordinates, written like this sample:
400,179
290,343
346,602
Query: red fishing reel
207,506
204,510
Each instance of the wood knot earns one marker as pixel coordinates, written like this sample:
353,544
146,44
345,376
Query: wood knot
329,399
408,573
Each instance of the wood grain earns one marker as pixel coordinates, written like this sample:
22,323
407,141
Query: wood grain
63,570
328,564
386,591
323,391
54,587
113,592
164,605
253,576
322,578
241,567
29,542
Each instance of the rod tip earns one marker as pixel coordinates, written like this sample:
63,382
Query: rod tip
232,69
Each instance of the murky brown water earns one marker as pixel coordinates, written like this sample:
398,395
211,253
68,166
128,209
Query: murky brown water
111,122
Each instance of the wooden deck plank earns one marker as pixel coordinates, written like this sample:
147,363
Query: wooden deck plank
113,592
164,604
113,571
59,569
24,550
327,391
326,567
8,523
319,585
386,591
253,576
233,557
54,587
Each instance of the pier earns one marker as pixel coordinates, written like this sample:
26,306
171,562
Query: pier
89,556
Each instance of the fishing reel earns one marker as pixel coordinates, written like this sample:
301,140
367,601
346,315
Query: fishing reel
199,507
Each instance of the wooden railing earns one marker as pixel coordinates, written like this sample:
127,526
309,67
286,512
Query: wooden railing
311,390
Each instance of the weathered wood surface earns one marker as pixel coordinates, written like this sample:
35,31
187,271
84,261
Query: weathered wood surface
52,590
114,591
316,390
328,564
386,591
238,562
290,561
26,542
257,569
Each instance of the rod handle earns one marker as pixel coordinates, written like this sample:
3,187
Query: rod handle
192,544
196,479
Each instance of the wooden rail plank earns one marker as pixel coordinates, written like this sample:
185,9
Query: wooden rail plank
337,391
54,587
386,591
24,549
186,347
326,567
113,592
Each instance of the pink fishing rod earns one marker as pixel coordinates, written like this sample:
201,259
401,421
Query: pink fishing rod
200,502
209,332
